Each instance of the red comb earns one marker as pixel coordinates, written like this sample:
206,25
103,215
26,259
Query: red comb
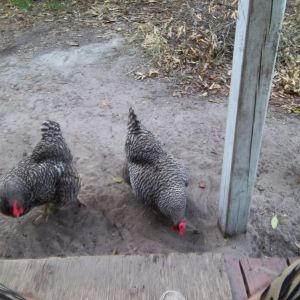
181,227
16,210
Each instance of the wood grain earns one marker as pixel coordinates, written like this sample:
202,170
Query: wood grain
238,289
118,277
256,41
260,272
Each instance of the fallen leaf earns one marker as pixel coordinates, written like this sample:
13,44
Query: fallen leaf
117,179
215,86
202,184
180,31
188,77
295,110
140,75
274,222
153,72
176,60
115,252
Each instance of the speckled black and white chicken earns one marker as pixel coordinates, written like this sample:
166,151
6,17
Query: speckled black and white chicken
156,178
48,176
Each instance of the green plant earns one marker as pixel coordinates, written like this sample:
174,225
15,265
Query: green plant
55,5
22,4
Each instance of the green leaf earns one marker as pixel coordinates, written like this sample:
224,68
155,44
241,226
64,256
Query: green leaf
296,110
117,179
274,222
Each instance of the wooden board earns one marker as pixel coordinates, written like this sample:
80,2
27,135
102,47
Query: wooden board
259,273
256,41
235,277
118,277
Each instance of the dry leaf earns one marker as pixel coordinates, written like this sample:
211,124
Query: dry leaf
153,73
215,86
115,252
295,110
140,75
117,179
202,184
176,60
180,31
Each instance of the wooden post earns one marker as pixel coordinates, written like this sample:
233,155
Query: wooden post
256,41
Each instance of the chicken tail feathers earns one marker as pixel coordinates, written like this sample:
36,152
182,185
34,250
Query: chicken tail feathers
133,123
50,129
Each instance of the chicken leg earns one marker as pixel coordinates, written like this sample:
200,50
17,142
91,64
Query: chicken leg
49,208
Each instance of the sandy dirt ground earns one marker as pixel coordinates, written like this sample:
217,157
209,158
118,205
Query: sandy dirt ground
88,89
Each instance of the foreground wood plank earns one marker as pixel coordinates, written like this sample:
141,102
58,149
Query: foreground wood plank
260,272
235,276
118,277
256,41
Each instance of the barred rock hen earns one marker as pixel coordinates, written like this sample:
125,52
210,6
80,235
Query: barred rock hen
156,178
48,176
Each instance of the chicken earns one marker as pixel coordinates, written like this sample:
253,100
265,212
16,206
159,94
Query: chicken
48,176
156,178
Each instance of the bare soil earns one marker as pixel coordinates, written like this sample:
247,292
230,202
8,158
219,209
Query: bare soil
88,89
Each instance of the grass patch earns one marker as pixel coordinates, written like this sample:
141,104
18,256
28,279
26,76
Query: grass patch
22,4
55,5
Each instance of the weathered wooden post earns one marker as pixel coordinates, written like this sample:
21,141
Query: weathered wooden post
256,41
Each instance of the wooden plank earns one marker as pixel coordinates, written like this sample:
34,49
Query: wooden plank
256,40
258,273
118,277
235,277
